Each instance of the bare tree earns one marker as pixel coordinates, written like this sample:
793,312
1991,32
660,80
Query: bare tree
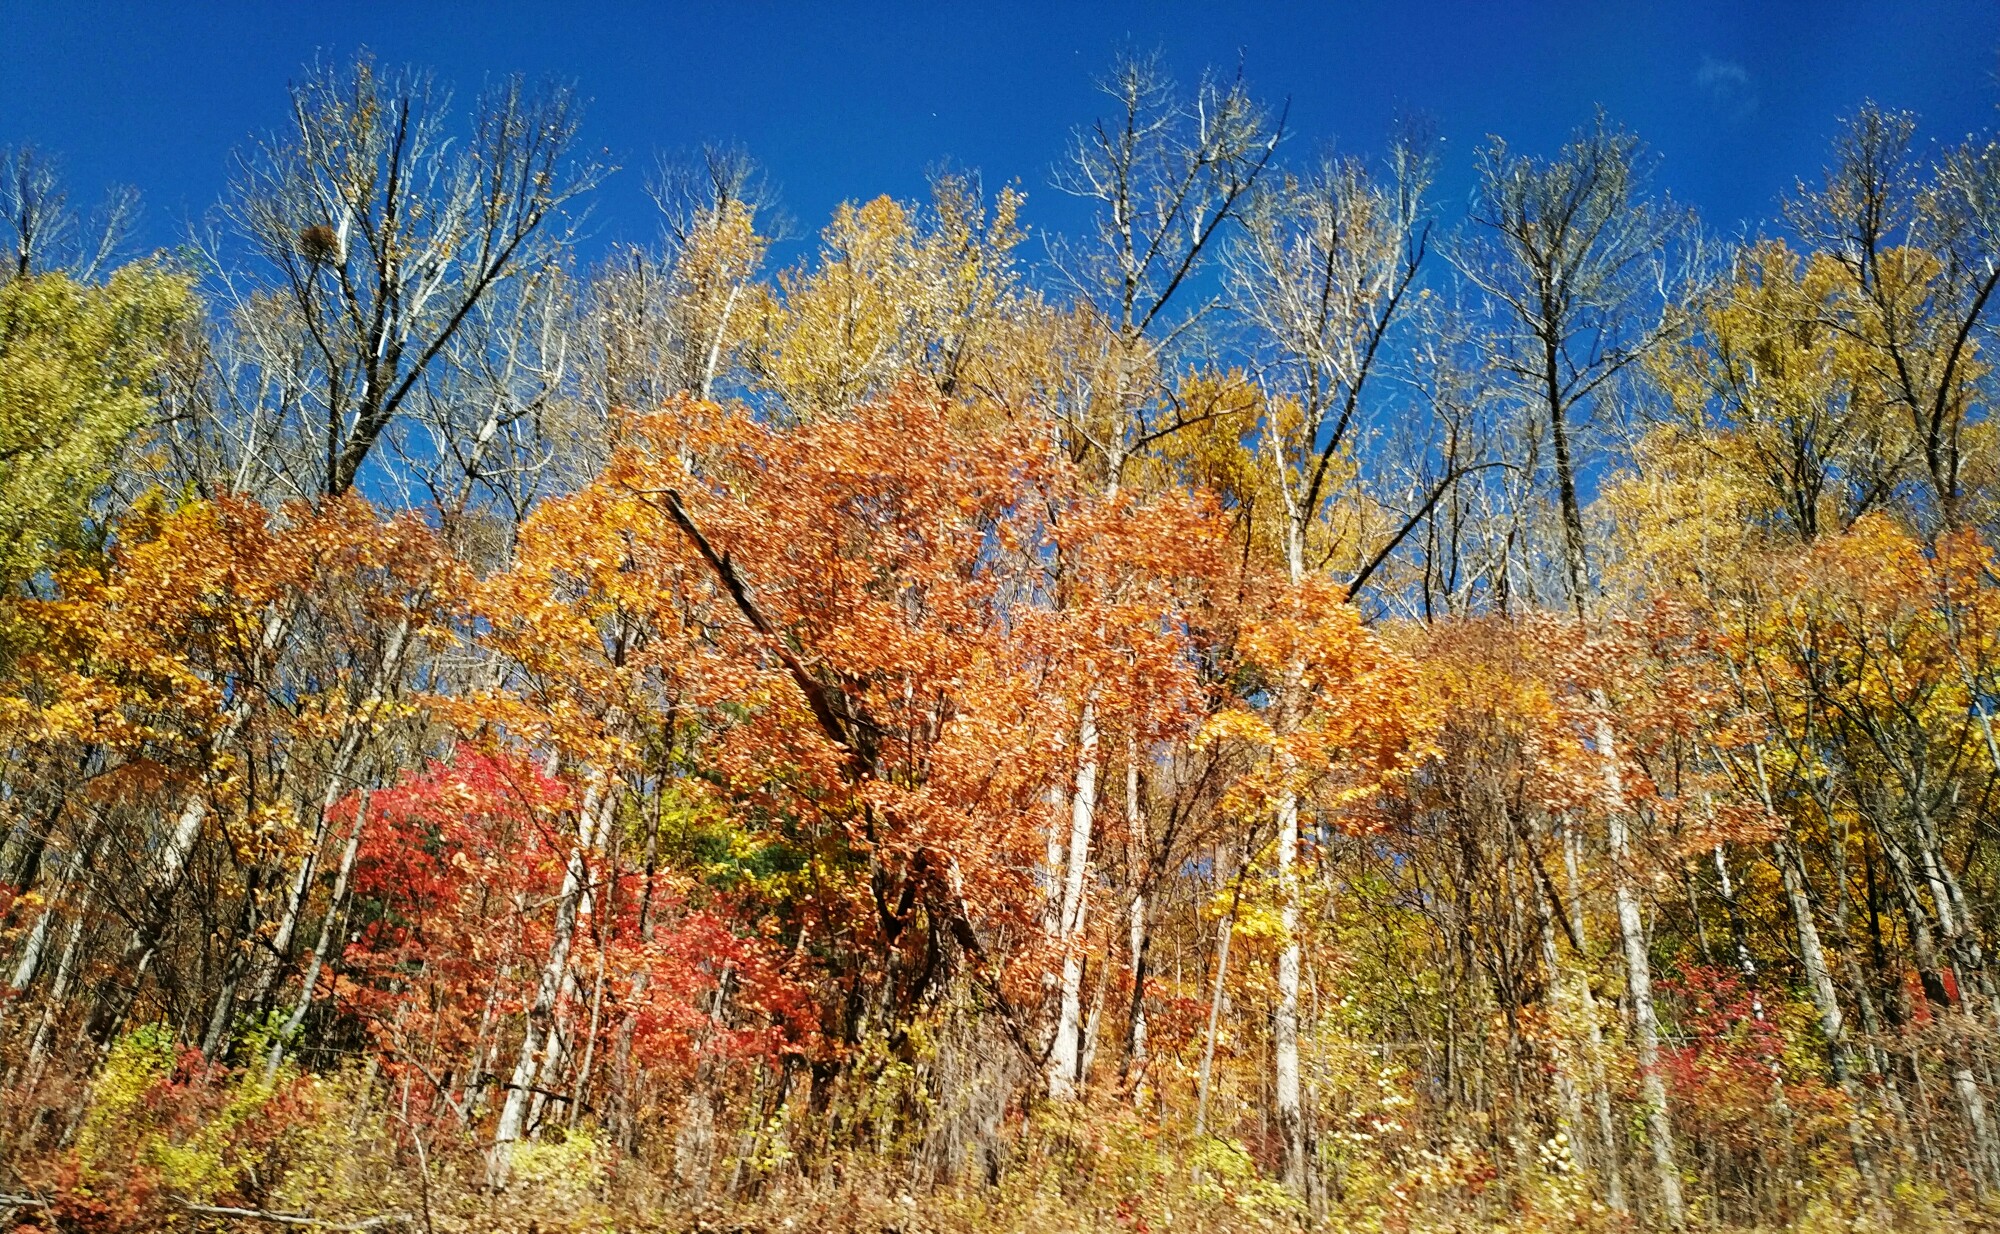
1571,253
1921,256
44,231
1169,172
386,237
1323,267
1322,271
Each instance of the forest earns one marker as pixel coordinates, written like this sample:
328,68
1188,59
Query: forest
1311,702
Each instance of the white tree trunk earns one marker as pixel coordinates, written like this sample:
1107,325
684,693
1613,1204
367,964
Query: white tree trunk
540,1031
1063,1057
1285,1023
339,779
1600,1091
1569,1099
310,981
1285,1017
1639,982
1223,930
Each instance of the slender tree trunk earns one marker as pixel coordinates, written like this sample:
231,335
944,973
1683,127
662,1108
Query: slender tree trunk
1223,930
1286,1095
237,962
59,988
340,775
309,982
1138,941
1091,1022
1063,1056
1600,1088
163,880
1639,981
1285,1025
556,1054
541,1028
1569,1100
626,1120
29,961
27,872
1984,1161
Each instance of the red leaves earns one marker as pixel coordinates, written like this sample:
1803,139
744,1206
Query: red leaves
1729,1072
458,871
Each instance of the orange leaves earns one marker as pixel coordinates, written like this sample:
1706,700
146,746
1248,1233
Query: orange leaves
189,616
872,631
824,611
1339,708
220,645
1493,700
1878,641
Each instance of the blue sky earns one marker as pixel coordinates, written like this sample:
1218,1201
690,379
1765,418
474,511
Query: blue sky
847,101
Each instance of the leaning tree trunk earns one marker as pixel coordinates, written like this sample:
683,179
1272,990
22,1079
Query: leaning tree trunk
540,1032
162,882
309,982
1984,1162
339,778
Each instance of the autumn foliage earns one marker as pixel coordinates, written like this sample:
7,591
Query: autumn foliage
1221,739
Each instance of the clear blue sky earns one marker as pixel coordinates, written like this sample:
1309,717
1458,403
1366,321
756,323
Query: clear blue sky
846,101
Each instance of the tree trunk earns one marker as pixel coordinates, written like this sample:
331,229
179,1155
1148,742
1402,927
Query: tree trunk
1600,1089
1984,1161
163,881
1138,941
540,1030
1285,1023
1223,930
1569,1100
338,780
1639,982
1063,1055
310,981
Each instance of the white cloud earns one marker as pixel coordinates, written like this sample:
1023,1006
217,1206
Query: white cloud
1729,87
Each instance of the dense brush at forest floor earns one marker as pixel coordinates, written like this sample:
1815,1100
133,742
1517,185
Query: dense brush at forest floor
201,1147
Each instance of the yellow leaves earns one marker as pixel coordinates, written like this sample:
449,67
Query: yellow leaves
168,657
841,327
895,290
1684,515
1243,726
1816,384
1892,627
1216,447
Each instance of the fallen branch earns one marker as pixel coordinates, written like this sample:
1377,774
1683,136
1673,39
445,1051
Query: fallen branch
258,1214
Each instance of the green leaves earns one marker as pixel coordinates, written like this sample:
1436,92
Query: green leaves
78,368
